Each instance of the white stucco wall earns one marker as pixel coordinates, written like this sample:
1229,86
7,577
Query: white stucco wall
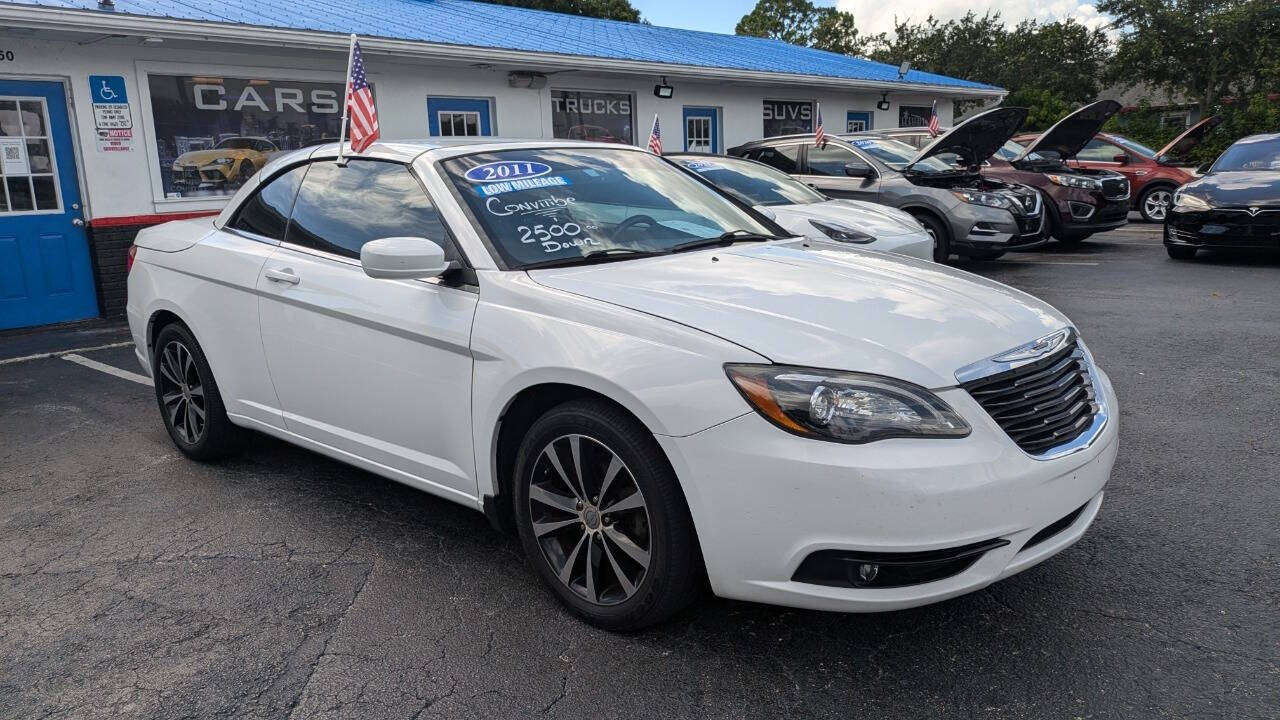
126,184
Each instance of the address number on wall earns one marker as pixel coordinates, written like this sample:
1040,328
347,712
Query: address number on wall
6,56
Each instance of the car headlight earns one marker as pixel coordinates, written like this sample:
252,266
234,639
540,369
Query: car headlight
224,161
1181,199
977,197
843,233
1074,181
844,407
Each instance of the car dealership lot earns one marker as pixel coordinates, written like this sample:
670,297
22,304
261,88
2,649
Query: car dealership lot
136,583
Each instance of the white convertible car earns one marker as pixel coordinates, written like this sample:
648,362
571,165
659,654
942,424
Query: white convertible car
649,382
804,211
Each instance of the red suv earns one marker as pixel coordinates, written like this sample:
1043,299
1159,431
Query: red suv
1153,175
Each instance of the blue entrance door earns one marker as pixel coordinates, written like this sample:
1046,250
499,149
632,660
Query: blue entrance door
702,129
45,273
455,116
857,121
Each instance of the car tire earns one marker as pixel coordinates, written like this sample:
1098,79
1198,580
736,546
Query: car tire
247,170
1181,252
937,231
1154,203
618,550
185,388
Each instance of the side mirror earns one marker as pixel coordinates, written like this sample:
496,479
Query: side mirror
859,171
1121,158
1203,168
402,257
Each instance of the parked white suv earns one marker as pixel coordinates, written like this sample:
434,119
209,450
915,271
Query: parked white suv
635,372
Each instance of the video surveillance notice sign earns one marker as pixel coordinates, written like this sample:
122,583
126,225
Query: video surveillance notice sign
113,122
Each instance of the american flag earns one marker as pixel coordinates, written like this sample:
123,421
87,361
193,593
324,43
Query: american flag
933,120
819,134
655,137
364,116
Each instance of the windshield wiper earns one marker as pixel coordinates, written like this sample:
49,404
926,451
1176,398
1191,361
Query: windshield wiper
595,256
725,239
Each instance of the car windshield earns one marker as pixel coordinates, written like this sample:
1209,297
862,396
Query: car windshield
1011,150
897,155
1134,147
237,143
565,204
1261,153
752,182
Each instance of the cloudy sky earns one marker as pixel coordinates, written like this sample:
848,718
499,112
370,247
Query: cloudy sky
875,16
872,16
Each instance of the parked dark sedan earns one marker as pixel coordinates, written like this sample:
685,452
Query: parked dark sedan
1236,205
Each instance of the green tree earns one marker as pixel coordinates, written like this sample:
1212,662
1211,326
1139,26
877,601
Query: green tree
1207,49
800,22
606,9
1045,107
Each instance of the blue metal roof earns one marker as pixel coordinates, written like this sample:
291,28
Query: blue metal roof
478,24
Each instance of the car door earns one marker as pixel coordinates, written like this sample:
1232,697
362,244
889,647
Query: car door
1101,155
377,369
826,169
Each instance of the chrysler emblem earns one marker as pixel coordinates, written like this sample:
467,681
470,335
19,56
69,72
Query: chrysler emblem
1035,349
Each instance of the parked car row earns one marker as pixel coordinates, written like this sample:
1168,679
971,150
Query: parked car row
656,383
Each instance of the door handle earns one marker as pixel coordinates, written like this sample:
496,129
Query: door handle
282,276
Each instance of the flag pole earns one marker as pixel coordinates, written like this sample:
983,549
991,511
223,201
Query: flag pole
346,96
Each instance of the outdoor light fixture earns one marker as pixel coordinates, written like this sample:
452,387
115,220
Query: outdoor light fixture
664,90
903,69
884,102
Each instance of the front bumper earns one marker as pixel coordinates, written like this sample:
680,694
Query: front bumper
763,501
977,227
1223,229
1092,213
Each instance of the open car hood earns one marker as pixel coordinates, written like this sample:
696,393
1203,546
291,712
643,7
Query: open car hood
1181,145
977,138
1070,134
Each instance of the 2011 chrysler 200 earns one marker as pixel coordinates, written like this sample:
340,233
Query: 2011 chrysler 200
633,369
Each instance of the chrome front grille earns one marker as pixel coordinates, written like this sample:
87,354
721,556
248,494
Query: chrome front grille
1042,403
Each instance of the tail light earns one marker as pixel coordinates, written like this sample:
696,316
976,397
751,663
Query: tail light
133,250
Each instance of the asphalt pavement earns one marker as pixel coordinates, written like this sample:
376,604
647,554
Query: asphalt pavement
137,584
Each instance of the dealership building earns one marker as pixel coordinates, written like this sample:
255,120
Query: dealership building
116,115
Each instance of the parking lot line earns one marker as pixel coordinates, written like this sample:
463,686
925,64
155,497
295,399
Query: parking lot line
108,369
1046,262
57,353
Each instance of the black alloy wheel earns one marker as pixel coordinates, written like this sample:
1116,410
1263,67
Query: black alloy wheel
602,518
188,396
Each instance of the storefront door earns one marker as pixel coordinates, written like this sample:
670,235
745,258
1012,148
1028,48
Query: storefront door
701,133
45,272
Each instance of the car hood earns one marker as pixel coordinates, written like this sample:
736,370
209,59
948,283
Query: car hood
1070,134
1191,137
207,156
1241,188
977,138
824,306
864,216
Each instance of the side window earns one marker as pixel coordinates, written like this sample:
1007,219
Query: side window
339,209
785,158
830,159
1098,151
266,213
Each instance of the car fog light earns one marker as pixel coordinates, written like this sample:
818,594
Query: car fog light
868,572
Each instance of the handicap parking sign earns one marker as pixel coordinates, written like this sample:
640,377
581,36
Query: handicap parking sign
107,89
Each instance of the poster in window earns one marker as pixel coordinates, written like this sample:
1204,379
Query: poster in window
590,115
787,117
914,115
214,132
